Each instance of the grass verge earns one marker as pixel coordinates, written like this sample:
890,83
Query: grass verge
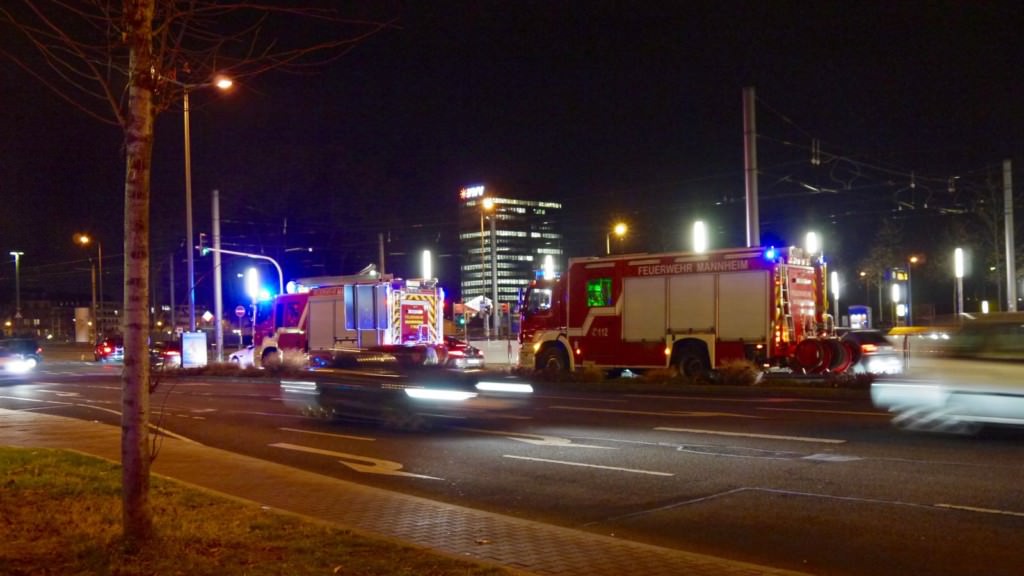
60,513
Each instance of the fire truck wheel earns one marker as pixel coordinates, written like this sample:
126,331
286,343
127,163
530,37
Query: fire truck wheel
691,362
271,358
552,360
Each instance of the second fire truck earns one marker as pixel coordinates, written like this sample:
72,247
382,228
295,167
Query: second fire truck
362,311
687,311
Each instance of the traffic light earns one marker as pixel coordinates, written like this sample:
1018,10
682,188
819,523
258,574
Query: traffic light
203,250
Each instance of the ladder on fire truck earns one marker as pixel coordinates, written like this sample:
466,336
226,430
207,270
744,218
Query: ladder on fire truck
787,312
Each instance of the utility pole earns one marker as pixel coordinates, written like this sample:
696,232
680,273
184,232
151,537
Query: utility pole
218,304
1011,254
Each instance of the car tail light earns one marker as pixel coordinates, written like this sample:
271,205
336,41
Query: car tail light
868,348
107,349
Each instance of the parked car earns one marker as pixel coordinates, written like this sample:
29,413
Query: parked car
378,385
242,357
165,354
461,354
109,349
873,352
967,377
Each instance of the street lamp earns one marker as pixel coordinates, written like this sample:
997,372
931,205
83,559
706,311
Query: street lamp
97,305
700,237
425,262
895,292
222,83
914,259
487,205
619,230
812,243
17,287
958,272
835,294
252,289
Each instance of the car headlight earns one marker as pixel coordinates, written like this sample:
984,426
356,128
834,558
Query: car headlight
517,388
439,394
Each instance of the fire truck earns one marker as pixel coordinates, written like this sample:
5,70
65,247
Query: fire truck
688,311
366,311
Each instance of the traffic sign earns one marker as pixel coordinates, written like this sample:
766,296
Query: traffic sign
240,311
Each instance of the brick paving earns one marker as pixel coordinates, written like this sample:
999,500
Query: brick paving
520,545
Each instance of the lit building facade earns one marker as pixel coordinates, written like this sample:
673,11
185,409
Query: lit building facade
524,233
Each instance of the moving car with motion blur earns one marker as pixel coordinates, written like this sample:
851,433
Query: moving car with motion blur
400,394
19,355
961,378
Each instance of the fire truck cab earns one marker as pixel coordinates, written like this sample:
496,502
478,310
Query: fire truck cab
687,311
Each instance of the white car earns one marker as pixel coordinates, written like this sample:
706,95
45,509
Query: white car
966,378
243,357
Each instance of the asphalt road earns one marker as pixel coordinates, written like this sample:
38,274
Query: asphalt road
819,484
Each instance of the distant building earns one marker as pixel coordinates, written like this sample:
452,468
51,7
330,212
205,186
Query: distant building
525,232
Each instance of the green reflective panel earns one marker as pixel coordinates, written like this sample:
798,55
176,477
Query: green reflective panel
599,292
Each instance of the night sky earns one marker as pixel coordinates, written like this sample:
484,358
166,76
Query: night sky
618,110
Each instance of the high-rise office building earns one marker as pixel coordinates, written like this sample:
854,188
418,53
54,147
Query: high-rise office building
503,242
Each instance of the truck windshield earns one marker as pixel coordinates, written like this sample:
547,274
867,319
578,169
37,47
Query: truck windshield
538,300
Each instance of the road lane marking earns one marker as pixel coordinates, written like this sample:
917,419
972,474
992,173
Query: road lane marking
982,510
674,413
615,468
353,461
537,439
328,434
846,412
753,435
752,400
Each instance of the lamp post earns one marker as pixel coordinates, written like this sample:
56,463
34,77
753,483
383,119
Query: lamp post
895,292
700,237
223,83
97,305
835,294
914,259
17,287
252,289
958,273
486,205
618,230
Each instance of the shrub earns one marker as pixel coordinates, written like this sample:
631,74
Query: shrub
738,373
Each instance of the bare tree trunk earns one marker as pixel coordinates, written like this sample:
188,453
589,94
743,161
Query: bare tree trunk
135,457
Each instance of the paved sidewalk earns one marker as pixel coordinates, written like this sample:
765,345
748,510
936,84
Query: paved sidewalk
521,545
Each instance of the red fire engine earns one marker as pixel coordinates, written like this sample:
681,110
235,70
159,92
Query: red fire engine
365,311
688,311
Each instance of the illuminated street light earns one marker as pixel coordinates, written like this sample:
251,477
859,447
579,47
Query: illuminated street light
221,83
425,262
914,259
487,205
958,273
700,237
812,244
835,295
17,286
619,230
252,289
97,305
